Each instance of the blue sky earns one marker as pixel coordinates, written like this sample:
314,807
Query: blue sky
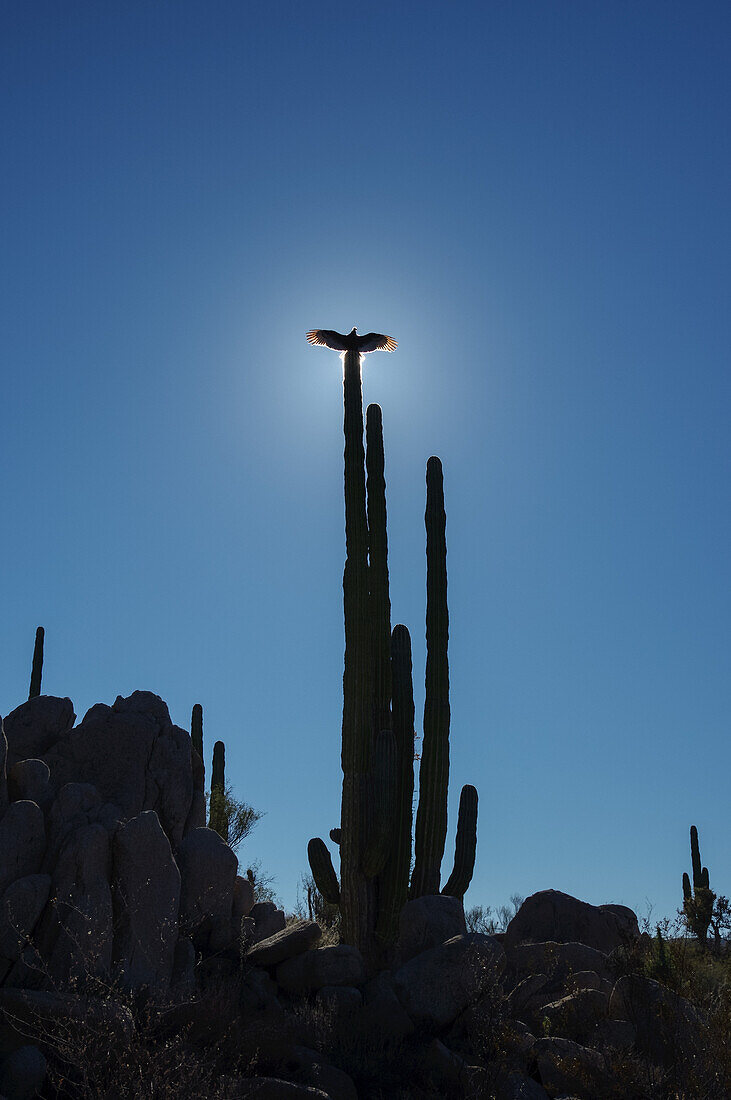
532,198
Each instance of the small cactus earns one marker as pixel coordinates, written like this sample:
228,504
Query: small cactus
697,902
37,667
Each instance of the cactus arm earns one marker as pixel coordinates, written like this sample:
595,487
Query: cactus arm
687,893
431,816
37,667
196,729
465,844
695,856
323,871
217,817
335,836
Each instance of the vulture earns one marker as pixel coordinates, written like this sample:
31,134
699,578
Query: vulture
372,341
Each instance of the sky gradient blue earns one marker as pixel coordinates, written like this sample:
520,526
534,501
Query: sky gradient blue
533,199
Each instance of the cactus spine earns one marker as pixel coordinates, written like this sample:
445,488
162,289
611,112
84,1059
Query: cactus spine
218,817
698,902
37,666
378,711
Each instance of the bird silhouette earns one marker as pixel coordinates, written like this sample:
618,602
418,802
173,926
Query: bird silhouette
372,341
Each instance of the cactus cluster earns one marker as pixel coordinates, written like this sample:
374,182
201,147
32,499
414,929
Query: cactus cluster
375,833
36,671
218,807
697,902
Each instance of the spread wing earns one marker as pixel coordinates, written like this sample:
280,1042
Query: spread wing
376,341
327,338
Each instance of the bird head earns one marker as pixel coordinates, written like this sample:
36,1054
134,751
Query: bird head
353,331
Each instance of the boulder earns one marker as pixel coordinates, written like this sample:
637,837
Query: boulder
666,1024
340,999
22,1073
183,980
310,971
567,1068
613,1035
243,901
146,897
426,922
285,944
35,726
552,915
557,960
435,986
585,979
208,872
79,940
135,758
267,920
383,1016
527,996
3,770
21,906
30,780
576,1015
515,1085
273,1088
22,842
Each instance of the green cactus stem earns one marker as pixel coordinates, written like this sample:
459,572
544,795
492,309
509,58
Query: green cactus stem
393,884
357,893
196,729
380,603
465,845
323,871
431,817
385,779
218,815
37,667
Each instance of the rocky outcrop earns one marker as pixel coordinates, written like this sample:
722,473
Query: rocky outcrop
551,915
435,986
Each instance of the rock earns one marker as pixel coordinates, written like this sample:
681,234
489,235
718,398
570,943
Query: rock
135,757
146,897
208,872
267,920
428,921
258,993
183,979
448,1071
335,1083
3,770
551,915
584,979
285,944
50,1013
517,1086
243,902
23,1073
33,727
79,943
526,996
566,1067
22,842
557,960
22,905
383,1015
665,1023
310,971
273,1088
30,780
340,999
576,1015
435,986
613,1035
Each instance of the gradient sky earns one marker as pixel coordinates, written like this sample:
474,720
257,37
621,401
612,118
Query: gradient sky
533,199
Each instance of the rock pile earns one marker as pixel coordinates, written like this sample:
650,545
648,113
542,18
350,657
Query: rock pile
110,879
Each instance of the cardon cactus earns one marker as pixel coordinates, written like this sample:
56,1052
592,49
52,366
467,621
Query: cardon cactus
375,830
36,672
698,902
218,815
196,729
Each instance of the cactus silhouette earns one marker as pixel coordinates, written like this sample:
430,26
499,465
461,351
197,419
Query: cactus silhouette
375,829
697,902
196,729
37,666
217,815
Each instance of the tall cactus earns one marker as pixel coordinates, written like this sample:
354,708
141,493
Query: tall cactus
218,816
37,667
378,712
698,902
196,729
431,817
